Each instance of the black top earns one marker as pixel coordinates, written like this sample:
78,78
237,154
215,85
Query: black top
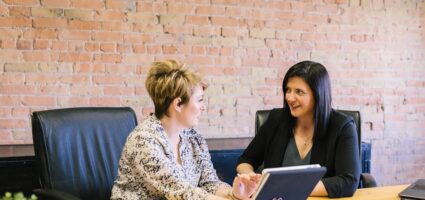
292,156
337,151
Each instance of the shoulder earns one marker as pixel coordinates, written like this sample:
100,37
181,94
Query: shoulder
340,120
275,115
149,131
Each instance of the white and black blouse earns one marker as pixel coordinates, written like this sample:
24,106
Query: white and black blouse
147,168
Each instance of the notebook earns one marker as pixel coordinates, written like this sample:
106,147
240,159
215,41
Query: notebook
415,191
294,183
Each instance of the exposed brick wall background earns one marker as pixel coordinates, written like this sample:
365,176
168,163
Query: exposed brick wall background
67,53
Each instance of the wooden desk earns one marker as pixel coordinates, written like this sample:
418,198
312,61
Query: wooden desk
377,193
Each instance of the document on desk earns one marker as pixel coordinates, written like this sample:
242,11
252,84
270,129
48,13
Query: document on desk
415,191
294,182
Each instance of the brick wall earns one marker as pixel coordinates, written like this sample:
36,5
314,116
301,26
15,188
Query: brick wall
67,53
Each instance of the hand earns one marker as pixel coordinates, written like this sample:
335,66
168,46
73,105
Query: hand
245,185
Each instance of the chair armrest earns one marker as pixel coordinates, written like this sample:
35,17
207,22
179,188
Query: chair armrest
367,180
49,194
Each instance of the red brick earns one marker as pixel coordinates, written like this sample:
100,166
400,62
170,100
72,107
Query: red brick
116,26
120,5
91,46
75,34
21,2
41,44
102,15
55,90
144,18
36,56
107,47
10,100
198,50
198,20
93,4
72,101
87,25
178,29
59,45
173,19
49,23
12,123
74,57
206,31
4,9
38,100
15,22
108,58
20,67
225,2
144,7
118,91
124,48
23,12
56,3
210,10
138,38
12,78
169,49
108,36
139,48
224,21
42,33
79,14
104,101
181,8
24,44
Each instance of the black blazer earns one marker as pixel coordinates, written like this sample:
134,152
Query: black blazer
337,150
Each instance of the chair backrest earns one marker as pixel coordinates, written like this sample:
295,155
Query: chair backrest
77,149
262,115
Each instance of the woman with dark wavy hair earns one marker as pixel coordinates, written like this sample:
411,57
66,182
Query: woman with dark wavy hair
308,131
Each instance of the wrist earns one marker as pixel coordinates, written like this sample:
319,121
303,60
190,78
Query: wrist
233,196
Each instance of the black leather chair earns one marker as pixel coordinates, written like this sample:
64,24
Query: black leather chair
366,179
77,150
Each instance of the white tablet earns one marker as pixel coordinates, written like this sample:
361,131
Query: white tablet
294,183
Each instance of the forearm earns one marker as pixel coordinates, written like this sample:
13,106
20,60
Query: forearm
223,191
244,168
319,190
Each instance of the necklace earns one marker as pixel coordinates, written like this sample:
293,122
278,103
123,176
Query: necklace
304,142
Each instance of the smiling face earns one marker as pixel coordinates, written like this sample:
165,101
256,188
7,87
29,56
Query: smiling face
192,110
299,97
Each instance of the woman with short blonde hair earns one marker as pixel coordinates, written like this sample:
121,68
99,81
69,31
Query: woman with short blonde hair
165,157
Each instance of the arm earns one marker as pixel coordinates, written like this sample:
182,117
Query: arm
347,164
253,156
209,180
243,185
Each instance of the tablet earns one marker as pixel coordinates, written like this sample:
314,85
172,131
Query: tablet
295,183
415,191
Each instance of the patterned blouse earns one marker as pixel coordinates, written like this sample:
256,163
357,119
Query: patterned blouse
147,168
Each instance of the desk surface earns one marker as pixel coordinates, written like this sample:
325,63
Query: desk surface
377,193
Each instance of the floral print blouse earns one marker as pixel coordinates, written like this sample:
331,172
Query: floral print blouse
147,168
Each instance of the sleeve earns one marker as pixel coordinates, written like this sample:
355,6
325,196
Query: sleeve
347,164
209,180
254,153
153,164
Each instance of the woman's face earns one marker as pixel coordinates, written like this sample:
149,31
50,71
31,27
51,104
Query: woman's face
299,97
192,110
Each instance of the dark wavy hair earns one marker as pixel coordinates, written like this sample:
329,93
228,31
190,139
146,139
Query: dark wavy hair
317,78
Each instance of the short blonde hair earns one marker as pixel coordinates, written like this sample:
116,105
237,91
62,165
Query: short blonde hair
169,79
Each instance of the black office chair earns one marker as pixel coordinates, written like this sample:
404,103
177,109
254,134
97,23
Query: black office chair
366,179
77,150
